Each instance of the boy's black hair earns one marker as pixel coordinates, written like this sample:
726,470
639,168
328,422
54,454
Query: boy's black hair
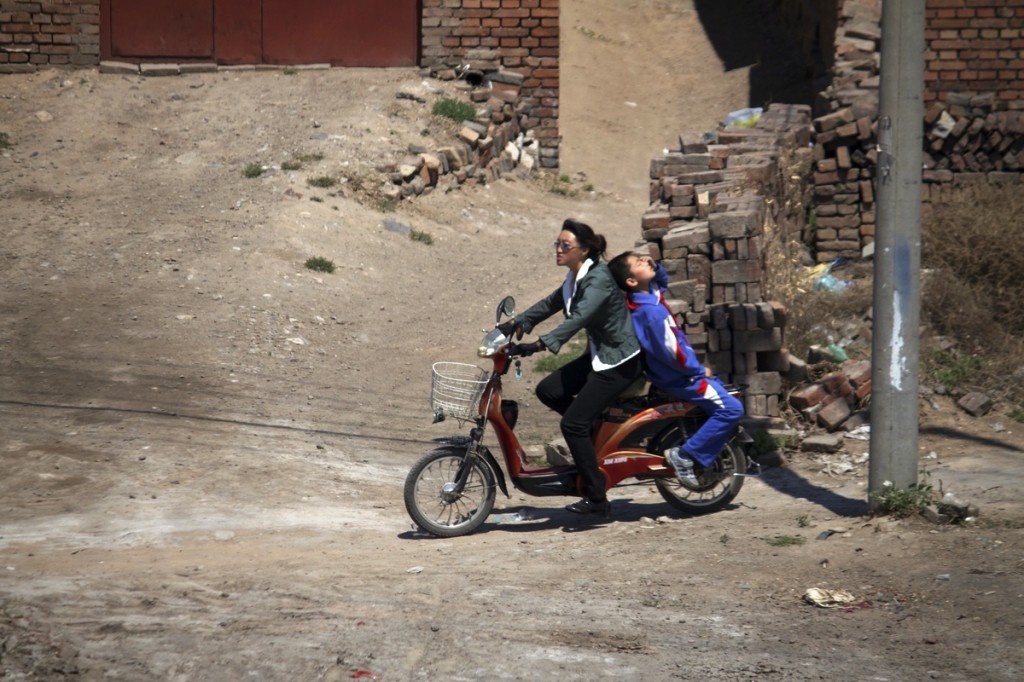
619,267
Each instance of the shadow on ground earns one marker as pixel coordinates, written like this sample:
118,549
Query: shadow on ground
788,482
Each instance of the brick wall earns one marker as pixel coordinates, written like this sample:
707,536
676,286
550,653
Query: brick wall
518,35
974,46
56,32
971,47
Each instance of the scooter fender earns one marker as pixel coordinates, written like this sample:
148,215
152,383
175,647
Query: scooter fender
498,472
464,441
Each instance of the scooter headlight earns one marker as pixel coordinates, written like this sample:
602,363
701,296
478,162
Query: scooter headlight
493,341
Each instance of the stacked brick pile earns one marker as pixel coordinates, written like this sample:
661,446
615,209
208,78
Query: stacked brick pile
705,224
967,135
845,155
844,196
53,33
855,76
486,148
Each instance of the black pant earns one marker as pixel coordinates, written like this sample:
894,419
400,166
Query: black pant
579,394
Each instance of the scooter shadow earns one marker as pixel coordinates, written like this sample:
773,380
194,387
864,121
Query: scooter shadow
527,519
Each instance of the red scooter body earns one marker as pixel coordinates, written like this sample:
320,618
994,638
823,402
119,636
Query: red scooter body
621,438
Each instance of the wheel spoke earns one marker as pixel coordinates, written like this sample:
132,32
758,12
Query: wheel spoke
720,485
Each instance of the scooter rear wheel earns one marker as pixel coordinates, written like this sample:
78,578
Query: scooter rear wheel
434,503
719,484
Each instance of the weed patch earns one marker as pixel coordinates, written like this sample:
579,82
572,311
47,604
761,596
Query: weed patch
322,181
320,264
786,540
253,170
901,502
419,236
569,187
5,141
291,165
952,370
454,109
812,315
591,33
765,441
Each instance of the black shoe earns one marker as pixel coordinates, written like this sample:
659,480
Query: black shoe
588,506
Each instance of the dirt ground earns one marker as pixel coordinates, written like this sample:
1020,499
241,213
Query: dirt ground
203,443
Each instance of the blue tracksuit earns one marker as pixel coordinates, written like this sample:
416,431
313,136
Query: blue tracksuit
672,366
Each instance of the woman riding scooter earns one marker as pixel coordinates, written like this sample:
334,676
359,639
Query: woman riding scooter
590,300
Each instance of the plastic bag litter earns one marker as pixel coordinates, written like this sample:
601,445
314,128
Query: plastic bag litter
743,118
824,280
862,432
828,599
837,352
514,517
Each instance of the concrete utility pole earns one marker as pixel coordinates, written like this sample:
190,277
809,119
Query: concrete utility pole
897,285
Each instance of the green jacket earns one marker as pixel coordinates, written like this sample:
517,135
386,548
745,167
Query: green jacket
598,306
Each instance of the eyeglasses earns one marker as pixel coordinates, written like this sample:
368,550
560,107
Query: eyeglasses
565,246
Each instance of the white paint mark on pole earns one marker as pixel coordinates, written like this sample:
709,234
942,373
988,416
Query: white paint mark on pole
897,361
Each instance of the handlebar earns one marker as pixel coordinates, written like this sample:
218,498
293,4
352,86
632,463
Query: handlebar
522,350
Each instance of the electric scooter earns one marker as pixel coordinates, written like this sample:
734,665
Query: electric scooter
451,490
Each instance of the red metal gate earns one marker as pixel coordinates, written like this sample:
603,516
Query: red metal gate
338,32
343,32
161,28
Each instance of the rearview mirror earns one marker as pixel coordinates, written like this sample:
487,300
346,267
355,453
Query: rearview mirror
507,307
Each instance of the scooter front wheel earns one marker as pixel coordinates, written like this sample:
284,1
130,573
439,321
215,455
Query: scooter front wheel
719,484
434,500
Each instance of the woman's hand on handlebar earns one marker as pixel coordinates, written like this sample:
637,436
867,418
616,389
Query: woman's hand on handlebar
526,349
510,327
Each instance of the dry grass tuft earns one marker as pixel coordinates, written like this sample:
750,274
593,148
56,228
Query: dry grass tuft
975,242
812,315
972,285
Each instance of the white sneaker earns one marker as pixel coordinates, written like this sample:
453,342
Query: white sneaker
683,466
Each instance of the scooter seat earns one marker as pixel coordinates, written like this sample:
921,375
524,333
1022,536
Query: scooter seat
635,390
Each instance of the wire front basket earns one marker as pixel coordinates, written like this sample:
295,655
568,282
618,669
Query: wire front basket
456,389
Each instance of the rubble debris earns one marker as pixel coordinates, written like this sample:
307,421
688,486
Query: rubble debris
828,599
821,443
975,404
